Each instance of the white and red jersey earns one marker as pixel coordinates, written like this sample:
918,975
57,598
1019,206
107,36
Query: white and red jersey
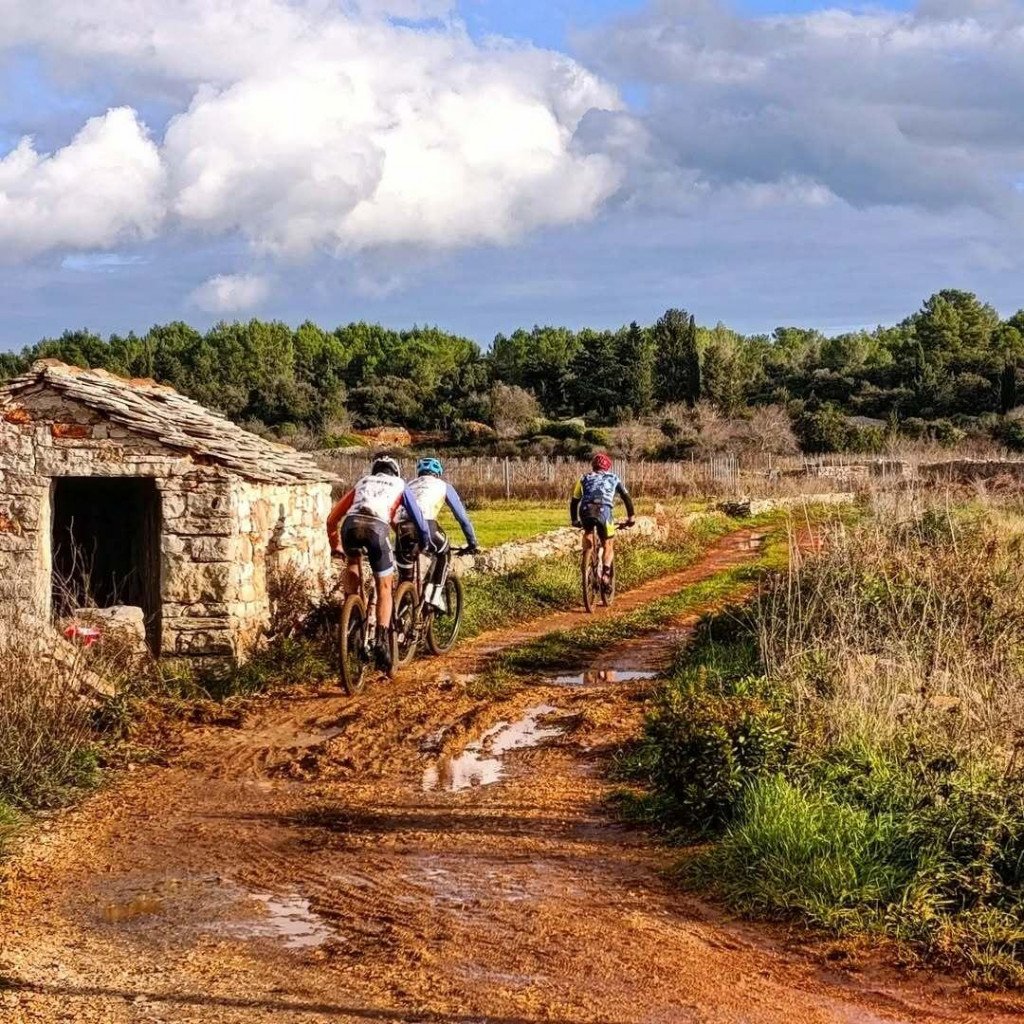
378,495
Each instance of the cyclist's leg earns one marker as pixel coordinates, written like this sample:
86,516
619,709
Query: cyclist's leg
385,604
442,552
377,540
607,533
407,550
351,544
588,540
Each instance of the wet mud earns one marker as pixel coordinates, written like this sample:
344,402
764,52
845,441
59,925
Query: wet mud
416,854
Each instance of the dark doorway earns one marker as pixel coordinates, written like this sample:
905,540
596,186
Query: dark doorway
106,546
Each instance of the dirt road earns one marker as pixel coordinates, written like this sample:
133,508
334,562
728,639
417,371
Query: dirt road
410,855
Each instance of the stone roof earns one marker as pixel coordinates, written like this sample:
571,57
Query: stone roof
160,413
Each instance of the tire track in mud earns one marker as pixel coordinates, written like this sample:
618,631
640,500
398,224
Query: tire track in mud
301,869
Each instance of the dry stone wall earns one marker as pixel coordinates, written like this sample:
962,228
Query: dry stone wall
507,557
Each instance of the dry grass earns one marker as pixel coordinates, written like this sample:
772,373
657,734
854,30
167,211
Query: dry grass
45,726
910,622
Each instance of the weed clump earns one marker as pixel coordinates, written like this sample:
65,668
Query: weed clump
852,743
46,740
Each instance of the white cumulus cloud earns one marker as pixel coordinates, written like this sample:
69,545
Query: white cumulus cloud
105,187
308,127
231,293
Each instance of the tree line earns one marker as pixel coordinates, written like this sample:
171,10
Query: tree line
952,366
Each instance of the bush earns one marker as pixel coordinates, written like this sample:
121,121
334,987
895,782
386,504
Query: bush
711,747
823,430
597,436
563,430
45,731
854,740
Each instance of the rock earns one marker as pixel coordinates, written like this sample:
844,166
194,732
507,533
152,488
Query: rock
125,623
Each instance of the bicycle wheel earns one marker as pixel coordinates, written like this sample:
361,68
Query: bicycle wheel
443,626
405,623
352,643
587,579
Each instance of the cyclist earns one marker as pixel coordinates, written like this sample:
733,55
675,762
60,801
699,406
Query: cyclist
432,494
590,509
365,516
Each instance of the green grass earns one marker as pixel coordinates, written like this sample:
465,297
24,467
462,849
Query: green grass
564,648
822,802
553,584
502,521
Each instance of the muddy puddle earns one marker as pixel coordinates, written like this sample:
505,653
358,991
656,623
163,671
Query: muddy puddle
131,910
604,677
481,763
288,919
215,906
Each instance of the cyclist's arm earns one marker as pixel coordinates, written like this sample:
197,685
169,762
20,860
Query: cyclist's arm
574,503
411,506
627,500
454,502
335,518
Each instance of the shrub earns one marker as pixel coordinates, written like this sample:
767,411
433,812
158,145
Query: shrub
563,430
45,732
823,430
597,436
878,684
710,749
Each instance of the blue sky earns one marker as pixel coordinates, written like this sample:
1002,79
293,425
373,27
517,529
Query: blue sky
504,164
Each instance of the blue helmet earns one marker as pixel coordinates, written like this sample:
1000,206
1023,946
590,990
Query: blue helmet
429,465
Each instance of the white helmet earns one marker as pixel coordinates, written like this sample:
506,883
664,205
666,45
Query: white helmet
386,464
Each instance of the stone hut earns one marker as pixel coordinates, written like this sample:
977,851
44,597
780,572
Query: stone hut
124,492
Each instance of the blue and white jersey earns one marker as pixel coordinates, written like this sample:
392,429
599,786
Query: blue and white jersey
596,492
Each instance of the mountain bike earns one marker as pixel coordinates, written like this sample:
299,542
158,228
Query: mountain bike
418,622
593,582
357,636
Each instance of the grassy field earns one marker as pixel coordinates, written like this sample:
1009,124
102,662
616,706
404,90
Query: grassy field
498,522
851,746
553,583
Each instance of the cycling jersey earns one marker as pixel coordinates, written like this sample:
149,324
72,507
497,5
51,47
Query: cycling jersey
432,494
594,496
378,496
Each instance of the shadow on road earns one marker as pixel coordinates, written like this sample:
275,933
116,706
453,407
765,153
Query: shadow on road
358,1013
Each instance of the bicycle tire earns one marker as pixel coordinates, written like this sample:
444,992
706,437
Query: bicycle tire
405,624
352,644
587,579
442,641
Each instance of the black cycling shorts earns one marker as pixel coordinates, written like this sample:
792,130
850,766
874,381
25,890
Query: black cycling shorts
372,535
605,528
408,541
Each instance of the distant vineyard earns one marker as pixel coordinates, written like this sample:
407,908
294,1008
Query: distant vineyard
728,476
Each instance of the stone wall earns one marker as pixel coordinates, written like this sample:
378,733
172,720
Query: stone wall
507,557
219,533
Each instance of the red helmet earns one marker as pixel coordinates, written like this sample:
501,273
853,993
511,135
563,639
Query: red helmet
601,463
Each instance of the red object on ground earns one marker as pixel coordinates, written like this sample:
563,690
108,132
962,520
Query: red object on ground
85,635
